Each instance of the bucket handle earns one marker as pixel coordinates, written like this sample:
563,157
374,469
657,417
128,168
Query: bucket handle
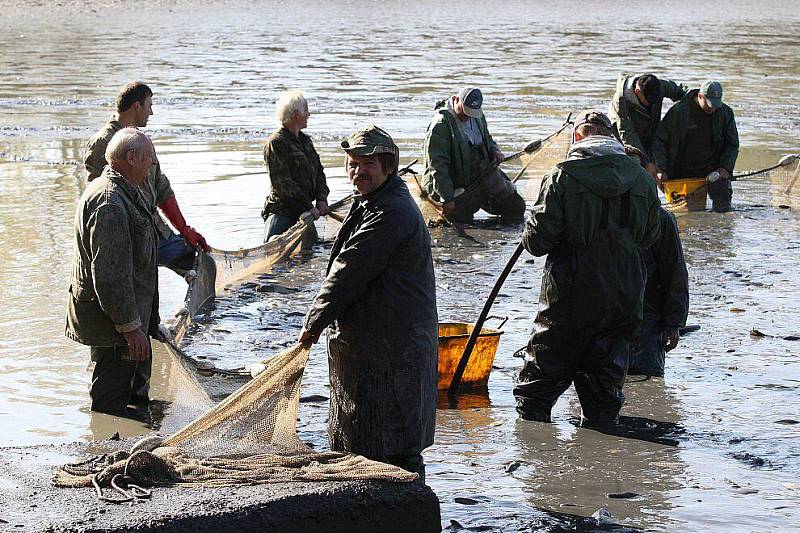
502,319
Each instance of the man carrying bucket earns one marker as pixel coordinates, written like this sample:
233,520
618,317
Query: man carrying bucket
698,139
379,299
595,213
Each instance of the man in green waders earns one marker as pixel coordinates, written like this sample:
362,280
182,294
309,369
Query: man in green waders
595,213
461,162
698,138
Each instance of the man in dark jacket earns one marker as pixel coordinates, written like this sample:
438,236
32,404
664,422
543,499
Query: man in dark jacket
379,299
698,138
296,174
595,213
635,111
134,105
462,160
113,303
666,301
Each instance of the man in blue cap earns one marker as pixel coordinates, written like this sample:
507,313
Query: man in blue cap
698,137
462,162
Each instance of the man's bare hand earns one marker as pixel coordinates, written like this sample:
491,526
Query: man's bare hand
306,337
723,173
498,157
448,208
670,337
315,213
138,345
652,169
322,206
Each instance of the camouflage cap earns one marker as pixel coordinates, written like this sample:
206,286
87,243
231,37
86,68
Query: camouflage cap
592,116
370,141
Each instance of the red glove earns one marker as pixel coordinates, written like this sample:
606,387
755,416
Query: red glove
173,213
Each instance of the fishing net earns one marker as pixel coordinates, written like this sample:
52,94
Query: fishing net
535,165
248,438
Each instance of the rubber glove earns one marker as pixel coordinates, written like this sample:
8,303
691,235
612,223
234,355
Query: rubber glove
173,213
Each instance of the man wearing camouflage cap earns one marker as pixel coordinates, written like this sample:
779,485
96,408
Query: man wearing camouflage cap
595,213
698,138
461,162
379,299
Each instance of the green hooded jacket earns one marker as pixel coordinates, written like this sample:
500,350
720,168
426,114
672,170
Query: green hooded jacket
633,124
446,154
156,189
670,138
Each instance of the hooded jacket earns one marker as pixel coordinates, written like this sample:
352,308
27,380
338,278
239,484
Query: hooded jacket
670,140
379,296
595,213
446,153
633,123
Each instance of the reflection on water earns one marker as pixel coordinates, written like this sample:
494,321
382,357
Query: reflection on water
216,70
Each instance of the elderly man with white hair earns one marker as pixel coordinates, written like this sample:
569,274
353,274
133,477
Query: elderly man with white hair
113,302
295,171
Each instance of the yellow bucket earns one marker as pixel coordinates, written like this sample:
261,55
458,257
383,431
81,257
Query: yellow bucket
689,193
453,338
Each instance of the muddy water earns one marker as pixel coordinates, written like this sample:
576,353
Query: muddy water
712,445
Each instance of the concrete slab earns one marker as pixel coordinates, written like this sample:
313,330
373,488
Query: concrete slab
30,502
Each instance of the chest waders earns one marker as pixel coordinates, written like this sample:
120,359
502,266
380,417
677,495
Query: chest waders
589,306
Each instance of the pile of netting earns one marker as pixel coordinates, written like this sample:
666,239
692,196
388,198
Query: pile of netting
248,438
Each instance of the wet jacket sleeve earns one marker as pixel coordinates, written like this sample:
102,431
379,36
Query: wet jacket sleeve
492,145
545,223
94,159
112,266
661,140
621,118
321,184
362,259
672,273
673,91
163,189
277,157
730,145
437,152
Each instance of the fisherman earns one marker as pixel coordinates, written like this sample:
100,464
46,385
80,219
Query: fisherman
379,299
698,138
113,303
666,296
295,171
594,214
462,162
635,111
134,106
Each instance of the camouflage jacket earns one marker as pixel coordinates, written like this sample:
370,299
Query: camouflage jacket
295,172
114,284
156,190
633,124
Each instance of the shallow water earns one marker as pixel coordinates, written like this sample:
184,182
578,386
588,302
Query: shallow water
721,453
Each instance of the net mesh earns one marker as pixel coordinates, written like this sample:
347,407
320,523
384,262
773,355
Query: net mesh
248,438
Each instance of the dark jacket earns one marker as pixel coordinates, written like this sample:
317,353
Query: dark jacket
667,291
670,138
592,218
379,296
633,124
155,190
295,172
114,283
446,154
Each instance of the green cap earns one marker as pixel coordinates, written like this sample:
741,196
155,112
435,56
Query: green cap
370,141
712,90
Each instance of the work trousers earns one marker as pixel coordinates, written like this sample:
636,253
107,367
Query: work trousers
176,254
557,358
647,348
721,193
116,380
495,194
277,224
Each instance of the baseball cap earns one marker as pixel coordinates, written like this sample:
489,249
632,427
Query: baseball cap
712,90
592,116
370,141
472,98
